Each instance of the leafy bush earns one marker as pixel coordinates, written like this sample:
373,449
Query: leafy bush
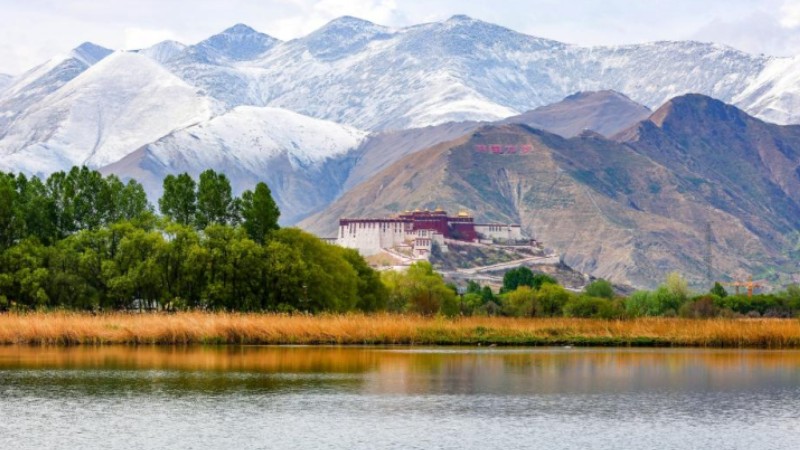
599,288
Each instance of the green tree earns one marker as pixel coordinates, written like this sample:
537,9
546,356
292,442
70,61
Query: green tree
521,302
179,199
259,212
91,198
9,205
520,276
61,191
214,200
372,294
419,289
128,201
541,279
331,283
678,287
37,210
551,299
718,290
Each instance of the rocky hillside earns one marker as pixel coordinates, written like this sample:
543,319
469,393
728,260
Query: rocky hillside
616,208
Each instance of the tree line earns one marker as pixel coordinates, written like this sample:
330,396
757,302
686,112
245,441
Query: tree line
528,294
82,241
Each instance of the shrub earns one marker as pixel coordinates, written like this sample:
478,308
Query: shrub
599,288
701,307
550,300
594,307
521,302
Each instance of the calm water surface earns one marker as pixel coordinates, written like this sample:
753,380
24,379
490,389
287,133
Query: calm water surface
372,398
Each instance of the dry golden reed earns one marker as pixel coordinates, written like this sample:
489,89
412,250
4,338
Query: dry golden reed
359,329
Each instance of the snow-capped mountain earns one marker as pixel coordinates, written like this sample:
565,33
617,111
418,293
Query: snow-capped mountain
5,80
377,78
120,104
211,65
88,108
303,160
35,84
163,51
773,95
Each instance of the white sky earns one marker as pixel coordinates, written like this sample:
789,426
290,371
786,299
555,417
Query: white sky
32,31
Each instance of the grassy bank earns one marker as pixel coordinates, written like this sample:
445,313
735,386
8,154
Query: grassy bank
208,328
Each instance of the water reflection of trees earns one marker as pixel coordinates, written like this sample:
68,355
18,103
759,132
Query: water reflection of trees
395,370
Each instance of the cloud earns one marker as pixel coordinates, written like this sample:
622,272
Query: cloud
790,14
136,38
759,32
768,26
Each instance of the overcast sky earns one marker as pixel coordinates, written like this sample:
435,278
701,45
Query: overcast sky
32,31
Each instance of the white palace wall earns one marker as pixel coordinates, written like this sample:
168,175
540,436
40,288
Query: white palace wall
499,232
369,237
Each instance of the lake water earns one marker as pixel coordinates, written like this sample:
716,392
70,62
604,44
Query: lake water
374,398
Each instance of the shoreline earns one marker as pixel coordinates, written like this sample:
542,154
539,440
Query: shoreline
200,328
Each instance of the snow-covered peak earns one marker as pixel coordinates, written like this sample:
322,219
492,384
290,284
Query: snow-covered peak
163,51
90,53
303,160
237,43
774,95
252,135
118,105
52,74
343,37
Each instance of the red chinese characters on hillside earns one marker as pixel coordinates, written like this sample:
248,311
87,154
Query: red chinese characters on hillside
503,149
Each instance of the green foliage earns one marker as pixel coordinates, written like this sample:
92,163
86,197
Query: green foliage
551,300
600,288
523,276
587,306
179,200
81,241
330,282
372,294
419,290
259,213
520,276
521,302
215,203
718,290
678,288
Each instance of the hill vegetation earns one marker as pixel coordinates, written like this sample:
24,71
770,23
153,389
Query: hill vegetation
79,241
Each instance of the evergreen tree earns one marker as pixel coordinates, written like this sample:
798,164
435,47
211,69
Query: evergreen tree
179,200
260,213
718,290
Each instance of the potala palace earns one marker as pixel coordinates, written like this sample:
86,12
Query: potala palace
415,233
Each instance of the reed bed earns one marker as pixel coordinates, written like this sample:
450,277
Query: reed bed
388,329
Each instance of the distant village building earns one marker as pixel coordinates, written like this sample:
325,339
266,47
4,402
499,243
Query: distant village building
414,233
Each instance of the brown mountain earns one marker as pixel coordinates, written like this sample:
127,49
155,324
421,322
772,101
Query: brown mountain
604,112
629,209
